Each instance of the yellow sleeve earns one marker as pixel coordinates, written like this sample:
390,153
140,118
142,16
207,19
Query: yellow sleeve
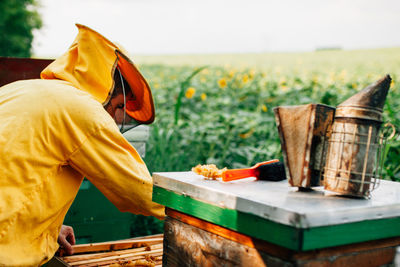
108,160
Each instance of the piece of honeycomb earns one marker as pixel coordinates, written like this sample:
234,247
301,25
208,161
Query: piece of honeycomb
209,171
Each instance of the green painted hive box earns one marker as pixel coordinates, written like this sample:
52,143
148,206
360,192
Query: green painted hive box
280,214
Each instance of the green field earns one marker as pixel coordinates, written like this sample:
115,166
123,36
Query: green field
223,114
353,61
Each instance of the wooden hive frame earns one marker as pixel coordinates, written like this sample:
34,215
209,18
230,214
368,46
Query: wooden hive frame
146,250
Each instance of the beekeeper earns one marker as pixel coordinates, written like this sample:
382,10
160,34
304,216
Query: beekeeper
55,131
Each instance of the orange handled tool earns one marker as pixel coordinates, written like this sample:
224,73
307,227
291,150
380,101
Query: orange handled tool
271,170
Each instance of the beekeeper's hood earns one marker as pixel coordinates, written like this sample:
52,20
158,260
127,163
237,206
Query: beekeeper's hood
90,64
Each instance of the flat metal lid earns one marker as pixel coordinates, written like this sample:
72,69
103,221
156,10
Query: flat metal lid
278,202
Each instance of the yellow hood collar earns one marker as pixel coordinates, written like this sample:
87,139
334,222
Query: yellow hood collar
89,65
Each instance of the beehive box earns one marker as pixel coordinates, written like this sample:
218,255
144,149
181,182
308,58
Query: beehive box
262,223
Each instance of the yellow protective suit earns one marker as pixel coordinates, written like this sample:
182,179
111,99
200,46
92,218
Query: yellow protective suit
53,132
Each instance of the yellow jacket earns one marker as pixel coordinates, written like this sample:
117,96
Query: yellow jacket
53,132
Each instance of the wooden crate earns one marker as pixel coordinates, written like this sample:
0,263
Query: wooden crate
145,250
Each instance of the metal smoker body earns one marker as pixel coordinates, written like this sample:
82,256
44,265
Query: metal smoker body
302,131
352,164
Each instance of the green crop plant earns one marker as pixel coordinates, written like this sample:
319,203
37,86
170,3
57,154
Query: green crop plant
223,113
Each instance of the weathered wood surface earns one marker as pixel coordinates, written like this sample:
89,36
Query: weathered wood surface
190,241
116,245
185,245
149,249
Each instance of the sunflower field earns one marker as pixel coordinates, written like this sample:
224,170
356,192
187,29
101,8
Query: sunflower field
219,108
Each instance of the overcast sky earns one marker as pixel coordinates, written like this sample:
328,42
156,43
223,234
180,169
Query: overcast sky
221,26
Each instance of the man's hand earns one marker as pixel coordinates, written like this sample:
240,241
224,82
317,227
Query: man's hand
66,239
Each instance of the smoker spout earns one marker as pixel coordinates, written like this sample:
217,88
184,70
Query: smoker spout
372,96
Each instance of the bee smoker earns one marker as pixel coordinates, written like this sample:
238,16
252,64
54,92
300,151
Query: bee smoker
352,163
302,131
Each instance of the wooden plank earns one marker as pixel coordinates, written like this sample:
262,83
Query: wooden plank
122,262
80,257
299,239
215,229
115,245
125,257
127,261
185,245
